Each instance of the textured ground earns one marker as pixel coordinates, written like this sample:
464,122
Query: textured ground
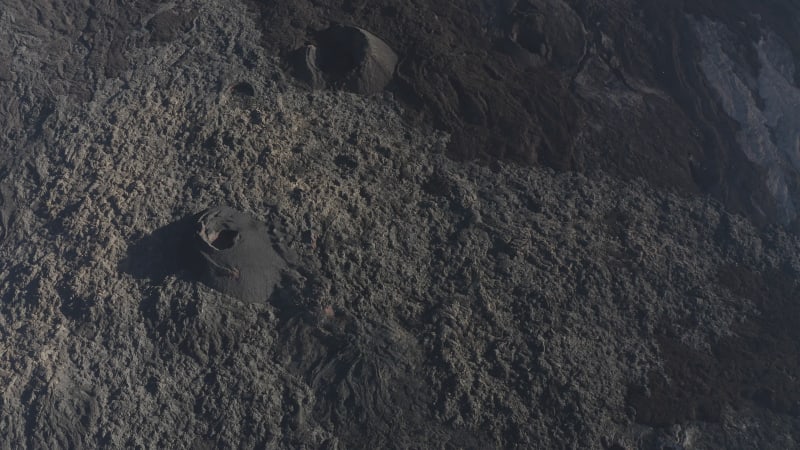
634,88
432,303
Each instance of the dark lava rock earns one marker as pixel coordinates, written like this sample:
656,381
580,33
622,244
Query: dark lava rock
235,254
346,58
618,86
168,24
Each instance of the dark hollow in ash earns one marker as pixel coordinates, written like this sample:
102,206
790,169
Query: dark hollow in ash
236,254
346,58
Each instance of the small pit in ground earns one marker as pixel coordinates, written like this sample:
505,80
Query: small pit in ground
243,89
225,239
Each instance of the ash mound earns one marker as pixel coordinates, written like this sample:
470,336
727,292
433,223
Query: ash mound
693,96
235,254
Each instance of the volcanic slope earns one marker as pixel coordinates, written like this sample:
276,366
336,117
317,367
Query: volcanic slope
431,303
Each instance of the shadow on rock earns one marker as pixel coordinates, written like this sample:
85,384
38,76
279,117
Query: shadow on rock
365,375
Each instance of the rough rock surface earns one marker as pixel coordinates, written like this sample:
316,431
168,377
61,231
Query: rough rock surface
434,303
621,86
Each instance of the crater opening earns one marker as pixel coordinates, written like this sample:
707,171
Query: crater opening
224,239
243,89
341,51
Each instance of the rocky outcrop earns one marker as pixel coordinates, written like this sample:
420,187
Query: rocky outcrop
622,86
345,58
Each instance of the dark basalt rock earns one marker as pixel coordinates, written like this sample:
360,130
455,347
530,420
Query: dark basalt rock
346,58
236,254
636,89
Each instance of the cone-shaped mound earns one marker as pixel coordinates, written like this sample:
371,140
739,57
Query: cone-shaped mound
236,254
